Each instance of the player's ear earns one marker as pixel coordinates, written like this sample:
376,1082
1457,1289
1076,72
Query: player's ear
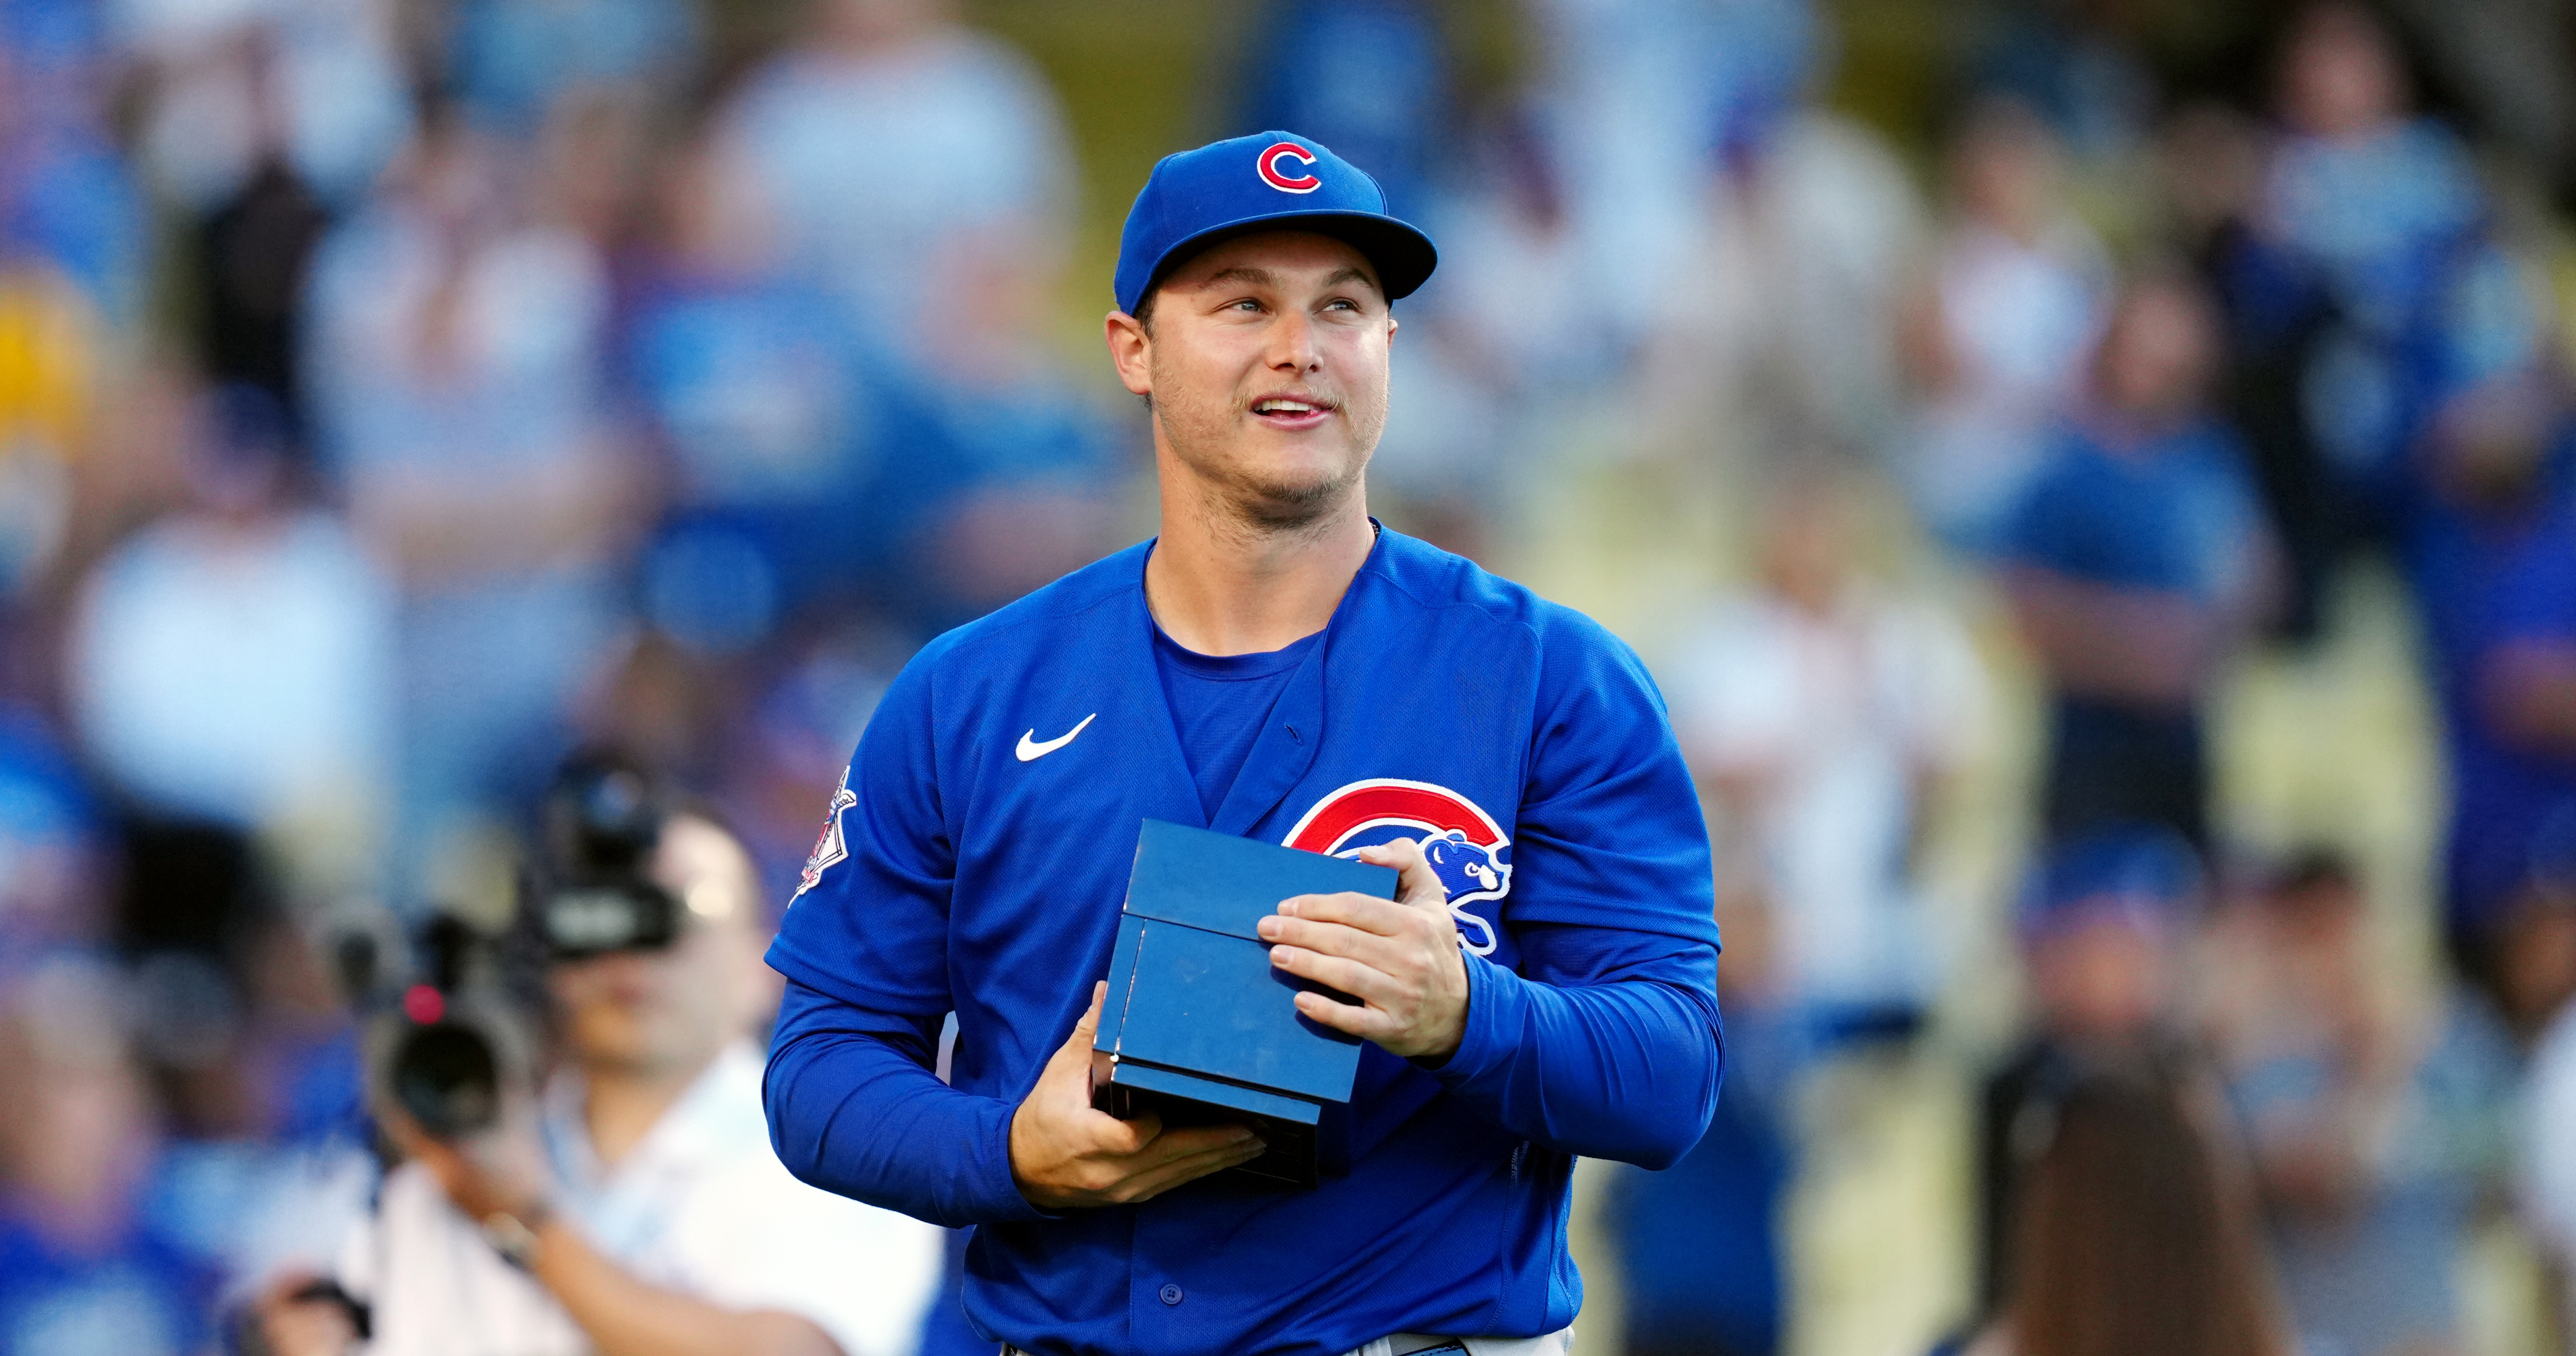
1131,350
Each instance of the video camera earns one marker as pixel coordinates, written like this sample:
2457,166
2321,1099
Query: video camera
460,1037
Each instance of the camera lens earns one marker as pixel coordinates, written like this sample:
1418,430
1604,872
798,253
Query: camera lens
447,1076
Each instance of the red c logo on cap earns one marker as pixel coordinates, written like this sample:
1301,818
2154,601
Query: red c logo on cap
1298,182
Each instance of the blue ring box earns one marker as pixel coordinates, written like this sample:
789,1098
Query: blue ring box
1198,1027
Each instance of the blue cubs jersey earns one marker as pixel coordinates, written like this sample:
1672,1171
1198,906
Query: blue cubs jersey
976,861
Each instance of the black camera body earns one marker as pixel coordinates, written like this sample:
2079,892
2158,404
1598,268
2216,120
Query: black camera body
462,1036
596,894
578,921
452,1041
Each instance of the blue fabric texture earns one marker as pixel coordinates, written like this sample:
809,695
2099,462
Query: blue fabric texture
1219,704
1439,701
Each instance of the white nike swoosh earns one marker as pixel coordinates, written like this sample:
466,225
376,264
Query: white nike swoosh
1032,748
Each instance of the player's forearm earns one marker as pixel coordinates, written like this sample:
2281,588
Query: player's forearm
859,1113
1626,1070
623,1316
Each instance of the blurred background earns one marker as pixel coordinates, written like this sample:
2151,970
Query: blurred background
2092,477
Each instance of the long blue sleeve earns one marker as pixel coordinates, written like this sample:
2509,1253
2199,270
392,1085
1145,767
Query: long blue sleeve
1620,1060
855,1109
1624,1066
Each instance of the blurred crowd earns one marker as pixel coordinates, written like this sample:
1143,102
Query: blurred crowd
399,395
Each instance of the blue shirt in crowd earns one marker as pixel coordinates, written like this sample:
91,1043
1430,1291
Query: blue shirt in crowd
136,1295
2485,581
2175,514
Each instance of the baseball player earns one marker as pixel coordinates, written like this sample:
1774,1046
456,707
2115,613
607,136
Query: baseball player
1274,665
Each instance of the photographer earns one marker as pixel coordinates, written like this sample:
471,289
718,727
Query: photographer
635,1208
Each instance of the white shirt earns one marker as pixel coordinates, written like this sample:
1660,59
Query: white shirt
238,675
701,1206
2019,322
2549,1143
880,169
1833,715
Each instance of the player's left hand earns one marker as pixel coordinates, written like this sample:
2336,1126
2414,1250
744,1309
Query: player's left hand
1399,957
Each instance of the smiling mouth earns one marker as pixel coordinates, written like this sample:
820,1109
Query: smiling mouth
1286,412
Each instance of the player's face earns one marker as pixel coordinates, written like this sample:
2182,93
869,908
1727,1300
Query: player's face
1267,365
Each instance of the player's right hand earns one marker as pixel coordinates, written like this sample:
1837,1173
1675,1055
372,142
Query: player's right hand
1064,1154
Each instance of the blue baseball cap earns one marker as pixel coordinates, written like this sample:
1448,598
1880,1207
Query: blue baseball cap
2148,876
1269,181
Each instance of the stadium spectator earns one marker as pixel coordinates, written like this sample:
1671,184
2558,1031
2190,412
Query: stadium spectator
1823,713
1702,1245
513,61
1639,98
773,420
2138,1233
906,157
455,359
1821,227
2487,541
66,197
234,662
281,1165
2368,200
921,172
1509,343
1996,340
316,85
252,254
651,1214
2367,1133
2101,925
2081,70
1383,105
83,1272
2360,218
2136,563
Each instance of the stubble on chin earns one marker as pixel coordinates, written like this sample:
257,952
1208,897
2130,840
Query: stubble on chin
1285,506
1240,492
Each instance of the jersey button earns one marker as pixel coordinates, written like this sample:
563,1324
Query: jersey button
1171,1293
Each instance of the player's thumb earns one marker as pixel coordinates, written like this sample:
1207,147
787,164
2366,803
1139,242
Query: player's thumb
1078,1045
1417,885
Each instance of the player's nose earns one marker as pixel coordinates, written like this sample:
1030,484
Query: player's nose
1292,343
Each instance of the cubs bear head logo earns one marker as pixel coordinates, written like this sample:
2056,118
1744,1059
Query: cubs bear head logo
1465,868
1464,845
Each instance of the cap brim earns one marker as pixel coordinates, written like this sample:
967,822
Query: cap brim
1403,255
